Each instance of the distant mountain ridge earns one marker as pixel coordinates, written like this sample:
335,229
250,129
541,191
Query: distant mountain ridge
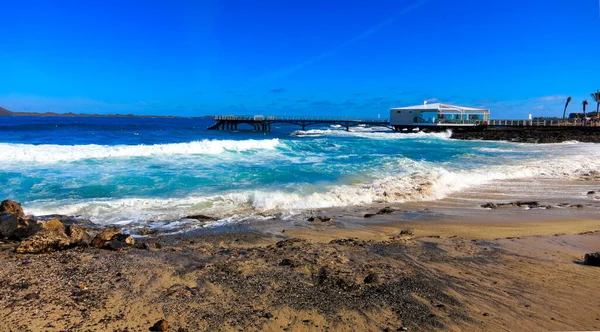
5,112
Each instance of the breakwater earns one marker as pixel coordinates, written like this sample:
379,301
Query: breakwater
532,134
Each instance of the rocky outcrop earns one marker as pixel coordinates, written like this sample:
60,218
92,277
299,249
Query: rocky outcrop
78,235
105,236
12,207
45,234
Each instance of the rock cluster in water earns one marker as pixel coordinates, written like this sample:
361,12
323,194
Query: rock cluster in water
44,235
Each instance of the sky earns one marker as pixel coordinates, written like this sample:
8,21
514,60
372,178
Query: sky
298,57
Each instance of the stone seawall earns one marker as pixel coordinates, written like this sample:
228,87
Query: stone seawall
533,135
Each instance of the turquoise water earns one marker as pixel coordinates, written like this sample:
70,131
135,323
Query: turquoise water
139,170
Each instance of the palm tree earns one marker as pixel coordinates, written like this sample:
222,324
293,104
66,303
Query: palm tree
566,105
585,103
596,97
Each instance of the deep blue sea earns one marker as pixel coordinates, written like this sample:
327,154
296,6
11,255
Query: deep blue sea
136,170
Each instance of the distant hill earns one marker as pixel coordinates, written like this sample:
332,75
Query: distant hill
5,112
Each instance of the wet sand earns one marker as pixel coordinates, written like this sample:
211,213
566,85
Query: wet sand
443,265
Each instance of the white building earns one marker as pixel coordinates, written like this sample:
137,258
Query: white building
438,116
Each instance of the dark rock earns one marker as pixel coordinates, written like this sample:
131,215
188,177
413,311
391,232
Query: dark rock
592,259
591,192
485,314
8,206
161,326
100,240
319,219
349,242
142,246
286,262
406,232
201,217
369,215
157,245
386,210
579,206
32,296
78,235
489,206
149,231
120,241
287,243
268,315
531,204
371,278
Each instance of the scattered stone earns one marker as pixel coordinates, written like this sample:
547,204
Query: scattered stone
9,206
319,218
386,210
81,286
201,217
371,278
103,237
287,243
161,326
592,259
349,242
489,206
286,262
142,246
31,296
531,204
147,231
406,232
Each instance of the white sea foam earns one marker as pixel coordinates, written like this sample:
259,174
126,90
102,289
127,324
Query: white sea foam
420,181
369,133
49,153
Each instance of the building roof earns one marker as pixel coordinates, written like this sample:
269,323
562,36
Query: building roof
443,108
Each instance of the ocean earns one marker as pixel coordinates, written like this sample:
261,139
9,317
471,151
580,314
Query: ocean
140,171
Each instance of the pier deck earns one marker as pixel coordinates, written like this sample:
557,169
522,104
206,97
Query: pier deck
264,123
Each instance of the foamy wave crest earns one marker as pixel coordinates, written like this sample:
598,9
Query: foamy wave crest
48,153
369,133
424,181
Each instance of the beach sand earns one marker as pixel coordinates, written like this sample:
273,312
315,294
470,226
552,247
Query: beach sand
442,265
505,269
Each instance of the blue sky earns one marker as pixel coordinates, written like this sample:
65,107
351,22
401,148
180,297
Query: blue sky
325,57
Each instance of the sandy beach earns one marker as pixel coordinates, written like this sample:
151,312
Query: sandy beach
442,265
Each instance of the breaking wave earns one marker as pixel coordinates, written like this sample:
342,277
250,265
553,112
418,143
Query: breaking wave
422,181
49,153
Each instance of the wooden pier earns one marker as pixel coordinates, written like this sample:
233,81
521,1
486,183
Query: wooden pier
264,123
